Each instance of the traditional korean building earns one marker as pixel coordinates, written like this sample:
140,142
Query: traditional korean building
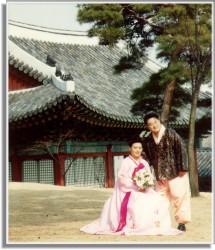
69,111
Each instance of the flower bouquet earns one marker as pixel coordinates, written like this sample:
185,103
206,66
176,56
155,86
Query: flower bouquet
143,179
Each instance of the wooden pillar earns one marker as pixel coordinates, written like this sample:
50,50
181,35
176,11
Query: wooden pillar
109,167
16,168
58,172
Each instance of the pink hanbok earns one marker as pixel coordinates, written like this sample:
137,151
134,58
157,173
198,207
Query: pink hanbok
131,212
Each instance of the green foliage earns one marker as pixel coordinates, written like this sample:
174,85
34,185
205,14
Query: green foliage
151,93
115,22
182,31
107,21
186,45
101,14
127,62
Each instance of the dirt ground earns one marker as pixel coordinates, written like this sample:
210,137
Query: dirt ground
42,213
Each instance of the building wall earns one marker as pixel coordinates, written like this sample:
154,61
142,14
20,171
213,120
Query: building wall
207,142
18,80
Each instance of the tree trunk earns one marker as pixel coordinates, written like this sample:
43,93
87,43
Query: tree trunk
168,97
193,168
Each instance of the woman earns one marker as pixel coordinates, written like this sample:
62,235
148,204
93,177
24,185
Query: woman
131,210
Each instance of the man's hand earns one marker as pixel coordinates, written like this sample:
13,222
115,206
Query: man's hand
182,173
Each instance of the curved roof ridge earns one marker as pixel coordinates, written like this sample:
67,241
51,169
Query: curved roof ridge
18,55
33,26
124,118
49,34
24,90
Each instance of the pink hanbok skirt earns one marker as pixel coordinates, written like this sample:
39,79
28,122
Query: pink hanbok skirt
147,214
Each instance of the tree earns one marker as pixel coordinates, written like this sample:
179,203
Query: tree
54,147
118,22
140,25
133,24
199,53
186,43
50,139
188,30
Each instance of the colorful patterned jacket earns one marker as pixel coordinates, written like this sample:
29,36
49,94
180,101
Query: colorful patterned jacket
169,157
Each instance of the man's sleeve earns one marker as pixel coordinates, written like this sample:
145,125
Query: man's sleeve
180,153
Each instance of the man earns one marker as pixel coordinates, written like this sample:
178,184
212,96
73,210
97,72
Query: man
166,153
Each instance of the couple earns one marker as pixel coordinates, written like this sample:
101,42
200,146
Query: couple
131,210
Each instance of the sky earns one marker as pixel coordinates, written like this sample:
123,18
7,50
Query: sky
58,15
50,15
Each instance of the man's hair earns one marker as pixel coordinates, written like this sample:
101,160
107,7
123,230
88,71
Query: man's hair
135,140
149,115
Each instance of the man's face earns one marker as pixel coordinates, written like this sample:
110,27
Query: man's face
154,125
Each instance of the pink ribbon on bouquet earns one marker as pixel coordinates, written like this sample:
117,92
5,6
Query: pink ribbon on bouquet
124,204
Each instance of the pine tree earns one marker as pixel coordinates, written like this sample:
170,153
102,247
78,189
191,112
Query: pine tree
183,35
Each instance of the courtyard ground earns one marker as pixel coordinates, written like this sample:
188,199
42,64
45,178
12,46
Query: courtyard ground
42,213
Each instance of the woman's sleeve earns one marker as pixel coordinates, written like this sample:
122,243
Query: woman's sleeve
124,177
146,164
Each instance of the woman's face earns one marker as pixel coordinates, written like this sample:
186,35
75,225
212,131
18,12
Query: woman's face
136,150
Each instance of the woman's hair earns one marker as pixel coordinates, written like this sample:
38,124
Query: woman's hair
135,140
149,115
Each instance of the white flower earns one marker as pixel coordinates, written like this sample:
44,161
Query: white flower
144,179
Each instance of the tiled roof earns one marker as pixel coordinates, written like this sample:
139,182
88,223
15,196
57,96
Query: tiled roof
204,159
183,119
97,88
26,103
28,64
96,85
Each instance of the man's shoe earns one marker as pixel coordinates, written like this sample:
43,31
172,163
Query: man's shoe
181,227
